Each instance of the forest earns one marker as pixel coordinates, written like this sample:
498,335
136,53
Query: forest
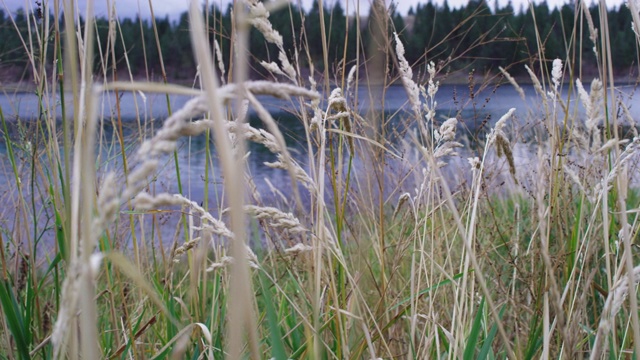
477,37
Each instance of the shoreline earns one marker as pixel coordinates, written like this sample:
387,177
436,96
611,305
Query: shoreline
455,78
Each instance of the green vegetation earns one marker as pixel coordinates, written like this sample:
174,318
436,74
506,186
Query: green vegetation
377,248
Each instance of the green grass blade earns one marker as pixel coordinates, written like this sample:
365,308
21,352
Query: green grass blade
12,159
472,341
15,321
488,341
277,346
535,339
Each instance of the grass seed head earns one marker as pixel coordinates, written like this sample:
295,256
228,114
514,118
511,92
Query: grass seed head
513,82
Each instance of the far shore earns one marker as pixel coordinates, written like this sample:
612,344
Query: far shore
460,77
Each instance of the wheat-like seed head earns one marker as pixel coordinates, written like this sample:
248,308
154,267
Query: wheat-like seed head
108,203
224,262
402,199
474,162
556,73
432,87
513,82
272,67
216,47
447,130
500,124
277,218
593,32
611,307
299,173
445,149
504,148
259,18
145,201
406,74
351,78
536,84
593,105
298,249
337,102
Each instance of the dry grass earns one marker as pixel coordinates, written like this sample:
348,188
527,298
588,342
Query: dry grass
390,257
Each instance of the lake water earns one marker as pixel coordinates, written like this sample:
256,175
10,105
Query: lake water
476,114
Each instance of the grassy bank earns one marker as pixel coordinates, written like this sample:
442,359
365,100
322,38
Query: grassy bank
400,249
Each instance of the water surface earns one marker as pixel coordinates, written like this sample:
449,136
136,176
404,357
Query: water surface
476,114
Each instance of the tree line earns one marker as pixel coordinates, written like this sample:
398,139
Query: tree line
474,35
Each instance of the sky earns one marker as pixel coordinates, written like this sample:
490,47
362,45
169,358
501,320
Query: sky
173,8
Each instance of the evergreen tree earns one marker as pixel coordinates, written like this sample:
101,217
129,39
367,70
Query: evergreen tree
471,35
314,32
336,31
623,42
423,25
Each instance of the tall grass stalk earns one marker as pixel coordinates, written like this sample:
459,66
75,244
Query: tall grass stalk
622,181
241,315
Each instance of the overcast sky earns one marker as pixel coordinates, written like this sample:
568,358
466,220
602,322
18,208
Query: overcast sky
129,8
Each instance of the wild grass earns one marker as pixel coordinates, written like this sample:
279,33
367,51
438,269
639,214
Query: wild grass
375,250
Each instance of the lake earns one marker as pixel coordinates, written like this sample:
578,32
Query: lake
476,116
